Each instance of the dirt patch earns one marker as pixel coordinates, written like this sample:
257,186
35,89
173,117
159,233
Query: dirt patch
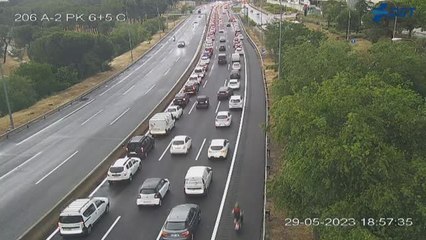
45,105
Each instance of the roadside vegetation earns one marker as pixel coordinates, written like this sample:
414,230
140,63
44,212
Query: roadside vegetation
350,127
64,53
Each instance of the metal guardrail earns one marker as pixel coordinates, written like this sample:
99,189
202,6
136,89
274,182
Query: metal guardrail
259,54
84,94
46,224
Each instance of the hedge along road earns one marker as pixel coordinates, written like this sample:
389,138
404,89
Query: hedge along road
38,166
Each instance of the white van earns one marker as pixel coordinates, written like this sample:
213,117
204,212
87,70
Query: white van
197,180
161,123
235,57
79,217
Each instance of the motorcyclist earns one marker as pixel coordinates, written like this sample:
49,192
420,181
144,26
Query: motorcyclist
174,38
238,215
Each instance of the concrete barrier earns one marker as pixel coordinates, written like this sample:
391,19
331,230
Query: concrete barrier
47,224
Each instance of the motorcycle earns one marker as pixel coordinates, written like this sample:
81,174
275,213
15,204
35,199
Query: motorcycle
238,224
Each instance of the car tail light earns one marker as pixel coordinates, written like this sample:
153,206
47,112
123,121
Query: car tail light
185,234
157,195
139,196
142,149
164,234
127,149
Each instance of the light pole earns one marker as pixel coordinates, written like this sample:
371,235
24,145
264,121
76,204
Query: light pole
12,126
279,44
128,32
349,21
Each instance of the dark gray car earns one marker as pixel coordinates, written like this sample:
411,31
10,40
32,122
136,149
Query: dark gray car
181,223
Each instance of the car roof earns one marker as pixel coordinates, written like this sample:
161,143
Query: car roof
179,137
236,97
233,80
180,212
150,183
217,142
222,113
120,162
223,88
75,206
136,138
181,94
202,97
234,71
174,106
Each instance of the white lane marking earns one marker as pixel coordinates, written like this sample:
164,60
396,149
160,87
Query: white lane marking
147,91
62,163
110,228
177,59
229,65
91,117
53,234
128,90
21,165
166,72
201,148
231,169
162,60
115,84
225,82
97,188
69,114
193,105
171,50
205,83
217,108
165,150
149,71
116,119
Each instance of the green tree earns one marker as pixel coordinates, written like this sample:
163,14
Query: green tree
41,76
354,147
21,93
331,10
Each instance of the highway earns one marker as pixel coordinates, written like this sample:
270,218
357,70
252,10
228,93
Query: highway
264,18
244,165
41,164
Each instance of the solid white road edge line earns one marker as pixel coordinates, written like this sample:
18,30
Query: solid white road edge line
201,148
193,105
19,166
165,150
91,117
69,114
97,188
228,180
53,234
149,90
62,163
116,119
217,108
110,228
165,73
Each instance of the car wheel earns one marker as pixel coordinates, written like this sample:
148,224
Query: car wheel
159,203
130,177
106,209
110,182
145,155
139,167
88,229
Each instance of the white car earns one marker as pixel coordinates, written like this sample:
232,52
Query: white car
218,148
234,84
123,169
241,37
195,77
180,145
152,191
205,59
239,50
236,102
200,71
236,66
223,119
175,110
79,217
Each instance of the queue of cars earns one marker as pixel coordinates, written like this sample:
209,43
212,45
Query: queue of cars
182,221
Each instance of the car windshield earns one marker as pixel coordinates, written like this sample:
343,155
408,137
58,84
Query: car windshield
171,110
147,191
116,169
70,219
198,70
175,226
178,142
214,147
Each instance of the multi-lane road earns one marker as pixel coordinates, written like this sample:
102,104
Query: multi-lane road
42,164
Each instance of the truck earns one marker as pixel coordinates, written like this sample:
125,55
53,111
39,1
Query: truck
161,123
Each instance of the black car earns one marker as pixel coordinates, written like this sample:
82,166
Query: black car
139,146
182,222
224,93
181,99
228,24
235,74
191,87
181,44
202,102
222,48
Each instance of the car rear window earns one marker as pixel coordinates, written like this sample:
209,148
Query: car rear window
222,117
198,70
235,100
171,110
147,191
178,142
116,169
132,146
70,219
175,225
216,147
